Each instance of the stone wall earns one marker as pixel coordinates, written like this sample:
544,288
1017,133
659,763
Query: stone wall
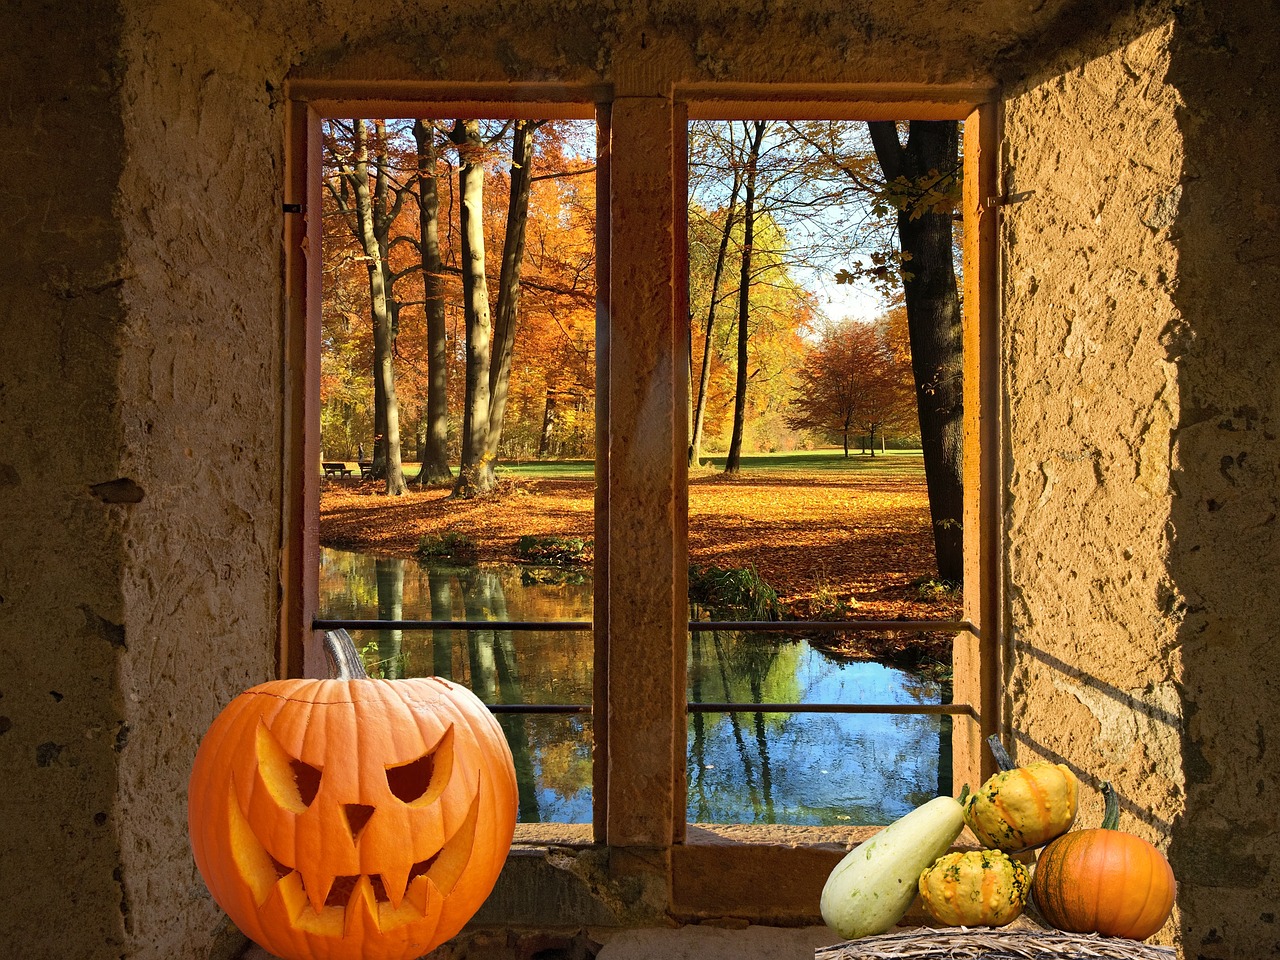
1142,464
1093,161
65,499
1224,556
200,378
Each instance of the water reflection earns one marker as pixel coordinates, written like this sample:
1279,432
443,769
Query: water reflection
807,768
756,767
552,753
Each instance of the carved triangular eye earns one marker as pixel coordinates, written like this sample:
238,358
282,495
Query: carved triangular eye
307,779
421,781
293,783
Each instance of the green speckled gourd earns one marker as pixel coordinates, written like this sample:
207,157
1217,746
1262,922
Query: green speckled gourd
874,885
981,888
1022,807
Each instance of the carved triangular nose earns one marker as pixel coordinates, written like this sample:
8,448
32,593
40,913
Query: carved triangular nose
357,815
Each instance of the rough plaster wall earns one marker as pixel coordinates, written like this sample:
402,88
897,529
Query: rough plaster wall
583,41
1092,400
201,413
1142,462
61,719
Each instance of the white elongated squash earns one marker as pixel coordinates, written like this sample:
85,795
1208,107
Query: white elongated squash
872,887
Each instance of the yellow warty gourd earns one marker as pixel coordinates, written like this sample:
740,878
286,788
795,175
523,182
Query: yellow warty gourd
981,888
1023,807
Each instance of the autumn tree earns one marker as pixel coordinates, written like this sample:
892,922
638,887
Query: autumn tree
551,403
492,332
489,345
508,273
472,478
361,188
733,461
434,426
720,230
745,262
851,382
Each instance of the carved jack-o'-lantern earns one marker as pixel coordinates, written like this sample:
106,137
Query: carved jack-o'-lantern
352,819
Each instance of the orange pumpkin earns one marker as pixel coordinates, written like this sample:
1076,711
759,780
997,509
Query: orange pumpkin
1104,881
352,819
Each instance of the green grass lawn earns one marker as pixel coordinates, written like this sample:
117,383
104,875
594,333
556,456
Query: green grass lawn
892,462
827,460
544,469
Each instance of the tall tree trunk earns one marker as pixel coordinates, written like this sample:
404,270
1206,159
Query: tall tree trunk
434,452
386,406
504,329
473,480
733,461
933,322
548,425
704,380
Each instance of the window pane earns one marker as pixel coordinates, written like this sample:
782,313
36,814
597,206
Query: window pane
824,478
457,417
809,768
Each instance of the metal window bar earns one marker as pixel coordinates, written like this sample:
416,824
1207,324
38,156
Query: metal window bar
702,626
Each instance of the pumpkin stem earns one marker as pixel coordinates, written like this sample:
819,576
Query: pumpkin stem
964,795
1003,760
344,660
1111,807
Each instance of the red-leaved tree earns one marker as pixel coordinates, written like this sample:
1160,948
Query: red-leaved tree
852,383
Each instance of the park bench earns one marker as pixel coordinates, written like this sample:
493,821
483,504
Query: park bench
366,469
336,469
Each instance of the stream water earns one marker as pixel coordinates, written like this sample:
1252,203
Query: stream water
756,767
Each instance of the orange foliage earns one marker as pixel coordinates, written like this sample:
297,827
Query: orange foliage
554,350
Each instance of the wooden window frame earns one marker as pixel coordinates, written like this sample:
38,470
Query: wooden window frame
641,610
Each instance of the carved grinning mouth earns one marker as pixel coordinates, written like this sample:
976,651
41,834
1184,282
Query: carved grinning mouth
351,900
343,887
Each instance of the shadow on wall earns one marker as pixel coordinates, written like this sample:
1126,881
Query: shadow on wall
1225,536
1122,701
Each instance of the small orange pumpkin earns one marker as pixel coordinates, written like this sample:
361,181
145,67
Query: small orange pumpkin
1022,807
352,819
1104,880
978,888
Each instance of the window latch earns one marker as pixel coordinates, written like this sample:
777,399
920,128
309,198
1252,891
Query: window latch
1008,199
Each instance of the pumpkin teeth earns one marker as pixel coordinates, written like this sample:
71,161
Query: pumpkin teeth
418,895
292,891
318,884
394,882
417,903
362,909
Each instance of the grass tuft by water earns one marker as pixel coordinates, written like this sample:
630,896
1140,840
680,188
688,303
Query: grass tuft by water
446,546
739,590
555,550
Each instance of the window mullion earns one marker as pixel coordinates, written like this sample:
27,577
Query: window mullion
647,609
